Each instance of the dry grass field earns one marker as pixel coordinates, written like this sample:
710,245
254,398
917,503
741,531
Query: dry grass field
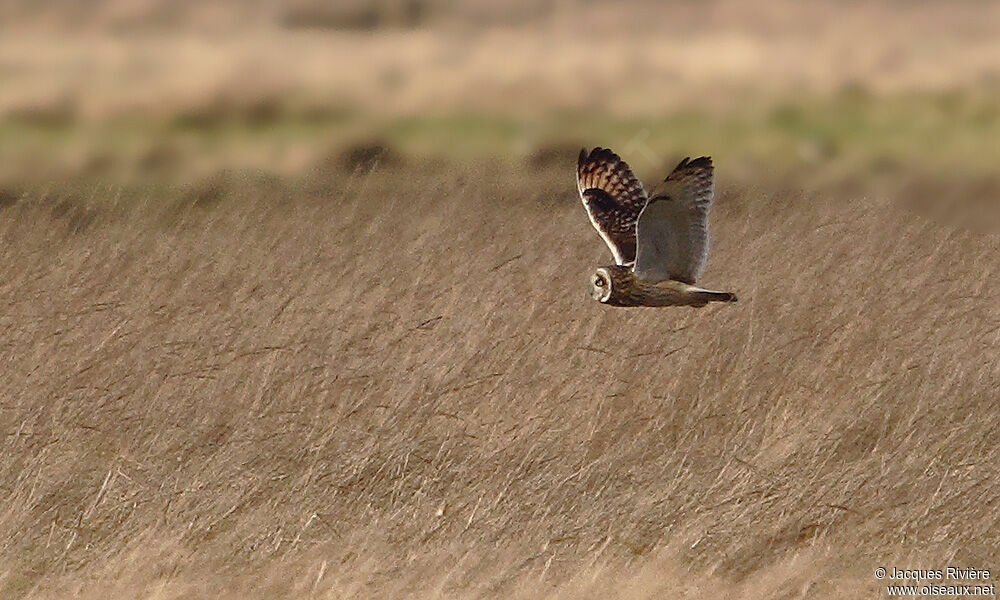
351,378
398,386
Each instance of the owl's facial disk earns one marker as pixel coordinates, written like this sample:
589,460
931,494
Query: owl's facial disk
600,285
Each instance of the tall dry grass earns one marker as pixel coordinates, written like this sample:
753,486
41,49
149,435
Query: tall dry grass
394,385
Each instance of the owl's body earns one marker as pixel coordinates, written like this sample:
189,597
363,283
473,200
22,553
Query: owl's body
659,240
616,285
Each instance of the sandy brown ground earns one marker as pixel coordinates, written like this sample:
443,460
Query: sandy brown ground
388,386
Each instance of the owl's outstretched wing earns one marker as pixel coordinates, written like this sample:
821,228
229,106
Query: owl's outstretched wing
672,231
613,198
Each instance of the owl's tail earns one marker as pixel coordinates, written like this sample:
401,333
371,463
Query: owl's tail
713,296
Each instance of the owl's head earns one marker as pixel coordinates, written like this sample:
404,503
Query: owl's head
600,284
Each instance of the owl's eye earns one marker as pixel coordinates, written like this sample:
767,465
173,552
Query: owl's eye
599,282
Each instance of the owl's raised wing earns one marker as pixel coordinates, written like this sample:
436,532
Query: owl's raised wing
672,230
613,198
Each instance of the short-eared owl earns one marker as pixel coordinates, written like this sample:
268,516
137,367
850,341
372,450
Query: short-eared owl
659,240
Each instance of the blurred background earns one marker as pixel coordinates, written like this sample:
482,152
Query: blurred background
293,299
126,92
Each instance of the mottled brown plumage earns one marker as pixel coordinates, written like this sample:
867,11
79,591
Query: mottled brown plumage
616,285
613,197
659,240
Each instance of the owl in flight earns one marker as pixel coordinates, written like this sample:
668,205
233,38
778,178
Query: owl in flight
659,240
